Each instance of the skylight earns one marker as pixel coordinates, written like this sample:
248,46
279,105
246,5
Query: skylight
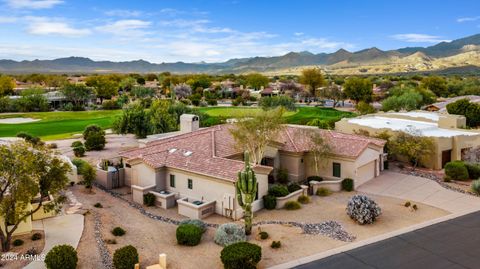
187,153
172,150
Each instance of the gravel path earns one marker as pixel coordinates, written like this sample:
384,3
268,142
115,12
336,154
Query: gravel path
102,247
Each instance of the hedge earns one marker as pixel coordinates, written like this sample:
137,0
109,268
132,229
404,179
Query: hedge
125,258
456,170
189,234
242,255
61,257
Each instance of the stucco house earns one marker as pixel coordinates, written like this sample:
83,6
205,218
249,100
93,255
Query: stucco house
448,132
196,169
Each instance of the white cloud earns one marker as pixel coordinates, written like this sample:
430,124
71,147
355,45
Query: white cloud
126,28
419,38
46,26
32,4
466,19
123,13
7,20
298,34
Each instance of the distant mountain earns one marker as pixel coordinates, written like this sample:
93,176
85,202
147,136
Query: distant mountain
445,55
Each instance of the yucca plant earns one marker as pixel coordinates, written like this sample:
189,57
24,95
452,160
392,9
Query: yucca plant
246,186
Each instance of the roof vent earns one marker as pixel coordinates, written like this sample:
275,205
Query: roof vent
172,150
187,153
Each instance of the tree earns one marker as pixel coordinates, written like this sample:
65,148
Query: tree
319,148
358,89
7,84
334,93
142,92
199,82
77,94
128,83
105,86
89,175
464,107
409,100
94,137
25,175
32,100
134,120
254,134
246,187
160,120
313,79
413,146
182,90
256,81
437,85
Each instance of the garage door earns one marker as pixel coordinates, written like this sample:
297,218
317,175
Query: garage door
365,173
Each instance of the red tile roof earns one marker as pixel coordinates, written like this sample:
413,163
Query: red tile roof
210,147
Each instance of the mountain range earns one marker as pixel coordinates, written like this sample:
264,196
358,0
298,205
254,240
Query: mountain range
460,54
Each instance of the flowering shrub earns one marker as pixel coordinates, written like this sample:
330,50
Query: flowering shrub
363,209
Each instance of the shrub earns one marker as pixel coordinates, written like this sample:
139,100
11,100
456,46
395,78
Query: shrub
269,202
36,236
293,187
407,204
17,242
316,178
61,257
110,104
276,244
31,251
278,191
268,102
188,234
415,207
98,205
79,151
473,170
229,233
456,170
363,209
292,205
149,199
322,191
79,163
111,241
303,199
200,224
118,231
94,137
241,255
347,184
125,258
52,146
77,144
263,235
282,176
212,102
476,186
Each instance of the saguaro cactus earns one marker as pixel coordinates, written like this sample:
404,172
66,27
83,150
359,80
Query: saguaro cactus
246,186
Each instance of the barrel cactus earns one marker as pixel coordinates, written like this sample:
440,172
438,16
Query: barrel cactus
246,186
363,209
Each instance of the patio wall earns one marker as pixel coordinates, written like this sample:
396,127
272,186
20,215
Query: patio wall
105,178
186,208
165,201
281,201
333,185
138,192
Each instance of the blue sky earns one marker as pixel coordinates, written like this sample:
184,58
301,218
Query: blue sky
193,31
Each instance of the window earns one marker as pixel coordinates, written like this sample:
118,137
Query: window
172,181
190,184
336,170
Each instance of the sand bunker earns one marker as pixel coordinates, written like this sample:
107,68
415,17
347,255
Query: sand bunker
17,120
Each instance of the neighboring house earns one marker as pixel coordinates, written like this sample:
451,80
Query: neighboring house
442,106
447,131
197,168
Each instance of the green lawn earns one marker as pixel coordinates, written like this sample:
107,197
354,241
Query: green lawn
301,116
57,125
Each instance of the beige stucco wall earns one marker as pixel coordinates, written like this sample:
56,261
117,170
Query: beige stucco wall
23,228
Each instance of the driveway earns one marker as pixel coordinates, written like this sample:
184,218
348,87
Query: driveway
60,230
447,245
420,190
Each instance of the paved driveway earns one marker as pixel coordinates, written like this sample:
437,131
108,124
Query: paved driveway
421,190
447,245
60,230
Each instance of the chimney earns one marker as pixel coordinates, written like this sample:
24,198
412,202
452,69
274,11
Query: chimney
189,123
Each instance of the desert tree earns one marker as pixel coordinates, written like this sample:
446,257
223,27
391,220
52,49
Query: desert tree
7,84
313,79
28,174
413,146
77,94
182,90
358,89
256,81
319,147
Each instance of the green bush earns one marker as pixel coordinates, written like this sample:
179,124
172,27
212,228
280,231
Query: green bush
94,137
61,257
242,255
79,151
293,187
77,144
125,258
17,242
282,176
476,186
316,178
304,199
278,190
269,202
117,231
98,205
322,191
149,199
276,244
473,170
263,235
292,205
110,105
79,163
347,184
200,224
36,236
456,170
188,234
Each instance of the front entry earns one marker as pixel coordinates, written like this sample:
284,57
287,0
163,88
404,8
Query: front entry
446,157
